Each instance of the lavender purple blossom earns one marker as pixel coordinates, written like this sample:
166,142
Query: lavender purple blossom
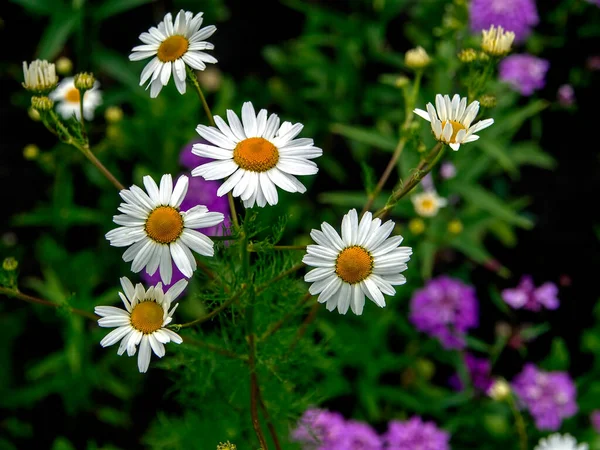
549,397
445,308
518,16
414,434
595,419
479,370
319,429
358,436
525,73
527,296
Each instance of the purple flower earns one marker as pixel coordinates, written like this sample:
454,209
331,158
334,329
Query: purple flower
447,170
358,436
525,73
518,16
527,296
445,308
566,95
594,2
319,429
479,370
549,396
595,419
414,434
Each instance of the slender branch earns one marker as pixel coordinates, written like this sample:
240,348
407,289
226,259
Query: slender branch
279,247
282,275
312,315
422,169
277,325
211,314
233,212
214,348
38,301
519,422
255,393
194,79
270,426
222,238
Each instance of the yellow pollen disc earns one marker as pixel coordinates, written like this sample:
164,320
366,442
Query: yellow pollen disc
456,127
72,95
427,204
354,264
147,317
172,48
256,154
164,224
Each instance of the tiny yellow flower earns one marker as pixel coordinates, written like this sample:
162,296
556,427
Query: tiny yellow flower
226,446
9,264
64,65
467,55
455,226
113,114
500,390
31,151
34,114
416,226
427,204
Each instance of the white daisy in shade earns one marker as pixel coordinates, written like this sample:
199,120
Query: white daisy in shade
427,204
363,261
142,322
157,232
67,97
557,441
256,154
451,120
173,45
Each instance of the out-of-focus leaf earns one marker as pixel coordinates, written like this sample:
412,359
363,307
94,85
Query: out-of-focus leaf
57,32
477,344
529,153
62,443
43,7
365,136
535,331
497,152
559,358
511,123
351,199
490,203
118,67
427,250
110,8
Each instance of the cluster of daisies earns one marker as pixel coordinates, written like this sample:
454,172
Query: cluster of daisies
256,155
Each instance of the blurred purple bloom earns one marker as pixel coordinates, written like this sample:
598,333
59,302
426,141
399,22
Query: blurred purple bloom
414,434
319,429
447,170
527,296
550,397
445,308
518,16
594,2
525,73
479,370
358,436
566,95
595,419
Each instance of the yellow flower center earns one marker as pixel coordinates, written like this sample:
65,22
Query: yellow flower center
354,264
72,95
172,48
427,204
164,224
456,127
256,154
147,316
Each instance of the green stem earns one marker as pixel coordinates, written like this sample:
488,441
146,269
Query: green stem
211,314
194,79
279,247
12,293
214,348
82,119
519,422
282,275
234,217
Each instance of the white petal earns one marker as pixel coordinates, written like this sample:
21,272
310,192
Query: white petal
249,119
179,192
198,242
166,188
157,347
215,170
236,125
319,273
358,300
103,311
215,136
333,236
144,355
423,114
166,265
268,188
114,336
180,258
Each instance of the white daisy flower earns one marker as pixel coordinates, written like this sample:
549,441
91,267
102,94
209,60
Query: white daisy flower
427,204
497,42
143,322
451,120
364,261
157,233
173,45
557,441
67,96
40,76
256,156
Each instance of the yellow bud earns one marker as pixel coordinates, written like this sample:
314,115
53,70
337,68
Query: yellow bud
455,226
113,114
226,446
417,58
64,65
34,115
487,100
500,390
416,226
42,103
467,55
9,264
31,151
496,41
84,81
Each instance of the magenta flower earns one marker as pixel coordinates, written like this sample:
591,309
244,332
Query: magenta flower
595,419
479,370
445,308
319,429
518,16
525,73
358,436
527,296
549,397
414,434
566,95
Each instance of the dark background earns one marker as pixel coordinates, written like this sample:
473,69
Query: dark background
562,248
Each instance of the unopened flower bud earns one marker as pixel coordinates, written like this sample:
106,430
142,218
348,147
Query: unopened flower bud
467,55
487,100
31,151
42,103
401,81
226,446
84,81
33,114
499,390
455,226
40,77
10,264
417,58
416,226
496,41
113,114
64,65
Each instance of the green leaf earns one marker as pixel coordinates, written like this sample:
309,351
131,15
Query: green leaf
497,152
365,136
476,252
427,250
117,66
490,203
511,123
56,33
113,7
531,154
42,7
559,358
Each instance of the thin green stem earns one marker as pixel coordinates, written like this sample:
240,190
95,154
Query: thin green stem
81,118
211,314
279,247
12,293
291,313
519,422
234,217
194,79
282,275
214,348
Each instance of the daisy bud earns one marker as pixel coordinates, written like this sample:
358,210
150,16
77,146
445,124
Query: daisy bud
487,101
31,151
401,81
416,226
499,390
113,114
64,65
226,446
496,41
417,58
40,77
10,264
467,55
33,114
455,226
41,104
84,81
